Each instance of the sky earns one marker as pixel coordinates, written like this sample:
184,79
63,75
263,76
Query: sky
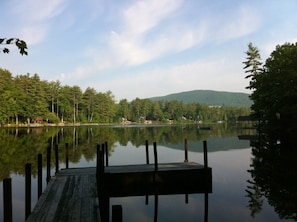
144,48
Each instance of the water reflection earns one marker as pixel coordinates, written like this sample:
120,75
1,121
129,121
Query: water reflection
274,172
26,143
118,200
20,146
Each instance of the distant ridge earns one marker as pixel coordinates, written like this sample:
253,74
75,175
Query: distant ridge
209,97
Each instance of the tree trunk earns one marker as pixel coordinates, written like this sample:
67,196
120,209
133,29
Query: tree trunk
53,108
74,113
16,119
57,108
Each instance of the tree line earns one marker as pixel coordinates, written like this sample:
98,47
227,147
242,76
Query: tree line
26,99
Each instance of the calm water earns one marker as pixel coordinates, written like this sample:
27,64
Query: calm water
229,158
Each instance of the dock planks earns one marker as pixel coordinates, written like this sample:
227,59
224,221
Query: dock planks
70,196
144,179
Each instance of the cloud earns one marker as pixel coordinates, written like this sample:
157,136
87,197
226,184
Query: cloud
145,36
245,20
33,18
216,74
140,37
145,15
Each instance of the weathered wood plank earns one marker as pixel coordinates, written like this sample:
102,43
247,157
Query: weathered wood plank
151,167
138,180
70,196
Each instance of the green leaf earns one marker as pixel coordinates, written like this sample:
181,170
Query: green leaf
8,41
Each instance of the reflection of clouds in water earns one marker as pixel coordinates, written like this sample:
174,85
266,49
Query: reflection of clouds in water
134,208
228,202
132,155
81,163
170,208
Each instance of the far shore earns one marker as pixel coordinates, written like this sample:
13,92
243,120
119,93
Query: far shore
35,125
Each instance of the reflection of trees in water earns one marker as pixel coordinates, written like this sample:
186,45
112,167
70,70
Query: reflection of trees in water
274,176
19,146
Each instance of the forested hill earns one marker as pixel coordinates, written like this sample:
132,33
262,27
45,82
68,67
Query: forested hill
209,97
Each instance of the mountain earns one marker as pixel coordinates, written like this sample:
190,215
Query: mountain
209,97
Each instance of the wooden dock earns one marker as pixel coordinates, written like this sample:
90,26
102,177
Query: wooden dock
70,196
143,180
82,194
170,178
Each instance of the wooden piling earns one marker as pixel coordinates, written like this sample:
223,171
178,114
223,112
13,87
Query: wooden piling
28,190
117,213
57,157
205,154
205,207
186,151
155,156
98,160
147,152
103,153
7,200
67,155
101,160
106,153
186,198
39,173
156,208
48,165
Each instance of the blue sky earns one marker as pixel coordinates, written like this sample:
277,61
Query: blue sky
144,48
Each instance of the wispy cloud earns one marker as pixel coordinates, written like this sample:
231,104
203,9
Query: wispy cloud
33,18
147,32
198,74
129,44
243,21
145,15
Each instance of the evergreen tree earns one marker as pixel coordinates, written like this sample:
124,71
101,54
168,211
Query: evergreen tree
252,65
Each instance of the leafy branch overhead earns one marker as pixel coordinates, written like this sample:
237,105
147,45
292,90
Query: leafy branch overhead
20,44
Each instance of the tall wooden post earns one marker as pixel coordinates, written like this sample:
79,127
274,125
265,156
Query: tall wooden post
117,213
147,152
7,200
57,157
186,150
98,161
39,172
28,190
156,156
48,165
106,153
205,154
101,160
67,155
156,208
186,198
206,207
146,199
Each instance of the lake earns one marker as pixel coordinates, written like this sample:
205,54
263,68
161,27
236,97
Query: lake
236,194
